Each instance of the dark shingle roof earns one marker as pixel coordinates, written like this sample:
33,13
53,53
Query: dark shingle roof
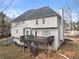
36,13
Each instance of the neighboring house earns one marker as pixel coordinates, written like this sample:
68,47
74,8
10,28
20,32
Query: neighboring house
43,21
4,24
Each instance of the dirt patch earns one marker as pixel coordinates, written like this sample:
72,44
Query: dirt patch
70,48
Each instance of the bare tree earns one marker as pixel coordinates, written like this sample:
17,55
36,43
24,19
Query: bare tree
76,4
68,15
3,24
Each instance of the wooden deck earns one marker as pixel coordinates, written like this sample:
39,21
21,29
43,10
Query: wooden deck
37,40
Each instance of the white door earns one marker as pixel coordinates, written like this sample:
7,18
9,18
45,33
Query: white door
27,31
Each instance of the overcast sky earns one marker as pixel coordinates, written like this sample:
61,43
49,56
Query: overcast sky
20,6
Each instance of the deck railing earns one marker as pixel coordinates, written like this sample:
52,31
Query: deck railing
36,39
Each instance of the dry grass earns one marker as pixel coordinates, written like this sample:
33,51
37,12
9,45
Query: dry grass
69,48
13,52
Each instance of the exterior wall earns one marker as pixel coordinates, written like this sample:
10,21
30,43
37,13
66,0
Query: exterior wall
16,31
50,24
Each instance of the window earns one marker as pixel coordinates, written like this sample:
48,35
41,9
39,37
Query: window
17,31
43,20
46,33
38,32
31,32
23,22
27,32
36,21
35,33
17,23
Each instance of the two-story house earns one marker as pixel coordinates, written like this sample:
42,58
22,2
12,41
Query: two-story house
43,21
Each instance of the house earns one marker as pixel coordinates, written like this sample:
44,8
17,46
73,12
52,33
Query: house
44,22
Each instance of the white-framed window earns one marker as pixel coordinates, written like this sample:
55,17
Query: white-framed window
27,32
17,23
16,31
36,21
23,22
46,33
43,21
31,32
35,32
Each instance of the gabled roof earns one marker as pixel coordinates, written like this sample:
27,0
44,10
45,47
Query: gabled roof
36,14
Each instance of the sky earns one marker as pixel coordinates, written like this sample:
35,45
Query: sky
20,6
